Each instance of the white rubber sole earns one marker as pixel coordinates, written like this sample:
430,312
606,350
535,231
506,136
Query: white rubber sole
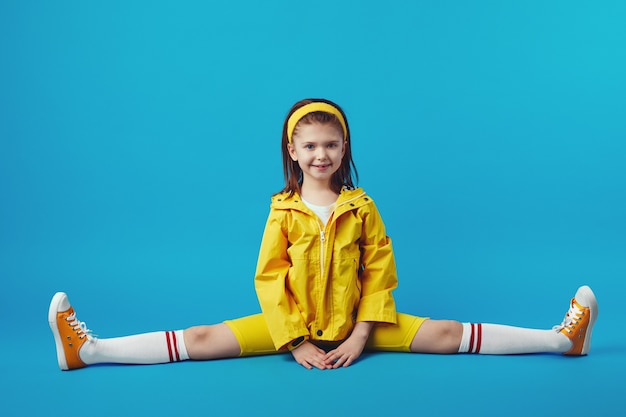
590,298
52,321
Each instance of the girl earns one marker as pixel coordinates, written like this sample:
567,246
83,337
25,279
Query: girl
324,280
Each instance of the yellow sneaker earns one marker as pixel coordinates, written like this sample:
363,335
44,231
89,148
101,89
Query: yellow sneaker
69,333
579,320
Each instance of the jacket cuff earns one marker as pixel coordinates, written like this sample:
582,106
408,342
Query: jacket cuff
295,343
379,317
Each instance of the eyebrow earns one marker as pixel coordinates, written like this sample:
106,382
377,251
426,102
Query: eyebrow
321,141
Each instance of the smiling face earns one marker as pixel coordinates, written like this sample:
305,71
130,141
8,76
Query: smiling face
318,148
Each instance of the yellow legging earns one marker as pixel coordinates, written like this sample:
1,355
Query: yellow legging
254,337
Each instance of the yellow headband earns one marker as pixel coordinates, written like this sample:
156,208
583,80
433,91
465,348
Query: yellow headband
311,108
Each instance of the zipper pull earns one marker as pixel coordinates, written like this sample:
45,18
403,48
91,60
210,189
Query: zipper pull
322,236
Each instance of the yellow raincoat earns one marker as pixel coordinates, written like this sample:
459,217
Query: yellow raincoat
317,281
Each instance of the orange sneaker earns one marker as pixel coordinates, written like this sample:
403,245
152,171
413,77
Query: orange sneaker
579,320
69,333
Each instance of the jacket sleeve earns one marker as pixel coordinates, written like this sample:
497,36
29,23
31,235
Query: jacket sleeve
378,274
281,313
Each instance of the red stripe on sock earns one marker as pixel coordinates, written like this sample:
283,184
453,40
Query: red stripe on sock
480,337
169,346
471,343
176,347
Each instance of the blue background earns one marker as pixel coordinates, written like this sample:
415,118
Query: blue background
139,146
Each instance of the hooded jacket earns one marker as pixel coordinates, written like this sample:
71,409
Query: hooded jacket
316,281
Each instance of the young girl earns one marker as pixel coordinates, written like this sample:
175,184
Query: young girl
324,280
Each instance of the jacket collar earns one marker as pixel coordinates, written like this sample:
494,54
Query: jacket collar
349,199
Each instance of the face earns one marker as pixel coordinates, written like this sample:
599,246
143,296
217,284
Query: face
318,149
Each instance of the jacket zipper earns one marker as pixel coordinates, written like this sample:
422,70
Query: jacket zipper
322,249
322,267
323,237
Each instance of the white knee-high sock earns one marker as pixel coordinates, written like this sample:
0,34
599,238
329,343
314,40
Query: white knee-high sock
146,348
497,339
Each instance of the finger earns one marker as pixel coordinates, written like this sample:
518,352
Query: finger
331,353
340,361
328,362
305,364
317,360
332,356
320,365
348,362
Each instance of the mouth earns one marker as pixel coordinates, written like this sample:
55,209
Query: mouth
321,167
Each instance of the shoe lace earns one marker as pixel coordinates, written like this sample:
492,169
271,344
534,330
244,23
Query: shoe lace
571,319
79,327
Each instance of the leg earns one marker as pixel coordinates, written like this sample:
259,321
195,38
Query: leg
498,339
77,348
417,334
438,336
443,336
245,336
571,337
211,342
397,337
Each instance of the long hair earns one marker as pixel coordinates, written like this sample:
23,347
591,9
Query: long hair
346,175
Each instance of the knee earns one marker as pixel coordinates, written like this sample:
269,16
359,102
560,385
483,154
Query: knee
450,329
197,336
211,342
450,333
438,336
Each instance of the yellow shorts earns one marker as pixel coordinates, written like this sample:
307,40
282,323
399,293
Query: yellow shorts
254,337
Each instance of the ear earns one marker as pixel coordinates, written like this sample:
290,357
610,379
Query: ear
345,146
292,151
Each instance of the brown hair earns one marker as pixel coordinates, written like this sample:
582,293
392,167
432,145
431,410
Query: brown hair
293,174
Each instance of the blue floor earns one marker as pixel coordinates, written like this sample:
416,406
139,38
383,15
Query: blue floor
382,383
538,385
139,149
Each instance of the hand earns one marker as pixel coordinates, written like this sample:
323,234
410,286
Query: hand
309,356
345,354
351,348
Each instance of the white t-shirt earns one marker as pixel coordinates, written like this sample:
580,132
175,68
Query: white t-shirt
323,212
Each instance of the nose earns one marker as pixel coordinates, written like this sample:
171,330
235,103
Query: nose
320,153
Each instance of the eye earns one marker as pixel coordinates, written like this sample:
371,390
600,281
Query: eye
308,146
